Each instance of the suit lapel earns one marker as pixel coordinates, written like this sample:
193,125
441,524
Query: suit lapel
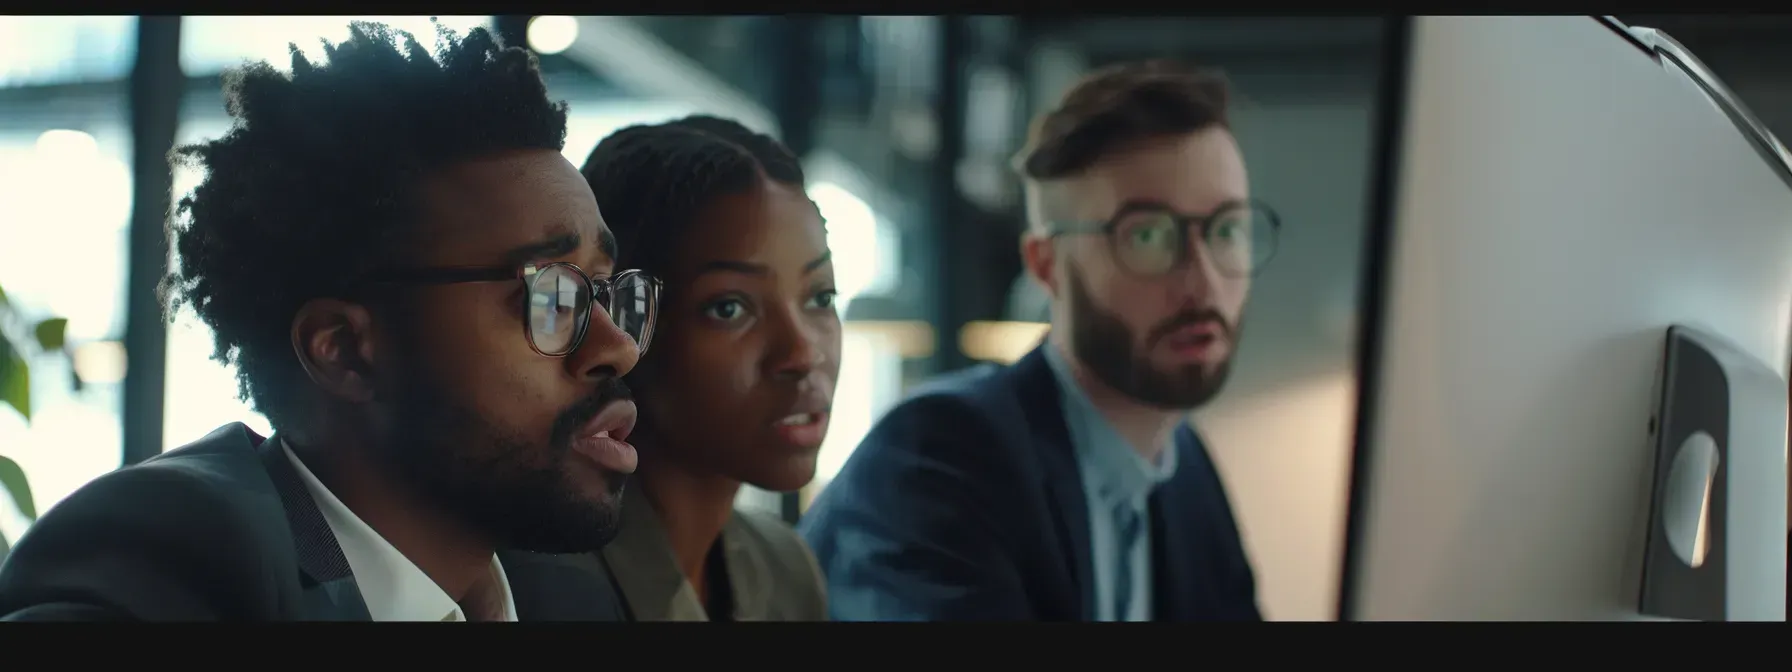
1049,437
329,589
748,571
1180,519
646,572
561,587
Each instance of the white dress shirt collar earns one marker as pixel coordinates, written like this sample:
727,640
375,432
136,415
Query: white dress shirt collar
393,587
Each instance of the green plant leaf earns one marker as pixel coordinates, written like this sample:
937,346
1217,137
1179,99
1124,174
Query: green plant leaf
12,479
2,297
15,380
52,333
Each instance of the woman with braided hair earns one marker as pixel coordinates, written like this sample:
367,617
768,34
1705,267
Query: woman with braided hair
741,377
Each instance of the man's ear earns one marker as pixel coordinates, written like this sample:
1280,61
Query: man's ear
1039,253
335,342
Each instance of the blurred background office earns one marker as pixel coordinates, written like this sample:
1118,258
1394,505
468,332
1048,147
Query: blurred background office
906,125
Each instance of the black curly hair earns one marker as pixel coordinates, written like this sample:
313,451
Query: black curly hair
315,184
651,179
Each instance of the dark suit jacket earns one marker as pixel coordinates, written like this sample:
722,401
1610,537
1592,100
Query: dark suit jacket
965,503
224,530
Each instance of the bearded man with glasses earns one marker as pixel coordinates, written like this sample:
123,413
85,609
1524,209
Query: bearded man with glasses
1069,486
418,291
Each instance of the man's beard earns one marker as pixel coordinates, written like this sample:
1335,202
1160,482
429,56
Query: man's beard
1103,343
516,489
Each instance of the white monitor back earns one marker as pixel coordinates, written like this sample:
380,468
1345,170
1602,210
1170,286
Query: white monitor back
1560,199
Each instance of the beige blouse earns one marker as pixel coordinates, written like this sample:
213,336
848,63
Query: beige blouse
772,572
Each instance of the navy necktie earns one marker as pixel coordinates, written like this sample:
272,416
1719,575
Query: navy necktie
1126,535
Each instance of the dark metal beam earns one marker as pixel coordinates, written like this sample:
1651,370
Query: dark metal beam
797,98
156,89
948,221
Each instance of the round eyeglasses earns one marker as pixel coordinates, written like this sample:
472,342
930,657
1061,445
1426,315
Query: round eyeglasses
1238,238
560,300
557,304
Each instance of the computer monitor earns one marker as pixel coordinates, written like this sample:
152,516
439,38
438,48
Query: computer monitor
1557,195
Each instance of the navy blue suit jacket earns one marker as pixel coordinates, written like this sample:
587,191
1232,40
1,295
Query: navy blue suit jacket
965,503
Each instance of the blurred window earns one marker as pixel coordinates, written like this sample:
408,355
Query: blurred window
38,50
212,44
65,200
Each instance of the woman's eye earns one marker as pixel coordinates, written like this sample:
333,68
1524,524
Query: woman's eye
825,298
726,310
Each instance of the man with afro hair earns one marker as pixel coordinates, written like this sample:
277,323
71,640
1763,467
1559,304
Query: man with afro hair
391,250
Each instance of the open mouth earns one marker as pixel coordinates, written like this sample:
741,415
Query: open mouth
800,419
803,430
604,438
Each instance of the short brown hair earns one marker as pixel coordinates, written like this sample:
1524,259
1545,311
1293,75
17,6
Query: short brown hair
1118,105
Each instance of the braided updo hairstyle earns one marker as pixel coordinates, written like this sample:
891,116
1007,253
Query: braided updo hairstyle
651,180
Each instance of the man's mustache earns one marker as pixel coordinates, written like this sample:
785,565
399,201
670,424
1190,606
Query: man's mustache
1192,317
575,416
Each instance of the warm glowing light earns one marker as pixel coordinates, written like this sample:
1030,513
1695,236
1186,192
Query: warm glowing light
1002,342
101,362
552,34
908,339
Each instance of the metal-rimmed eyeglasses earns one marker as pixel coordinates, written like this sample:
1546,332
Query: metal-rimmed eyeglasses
1150,239
558,300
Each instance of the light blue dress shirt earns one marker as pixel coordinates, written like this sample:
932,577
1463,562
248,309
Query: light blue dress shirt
1117,483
